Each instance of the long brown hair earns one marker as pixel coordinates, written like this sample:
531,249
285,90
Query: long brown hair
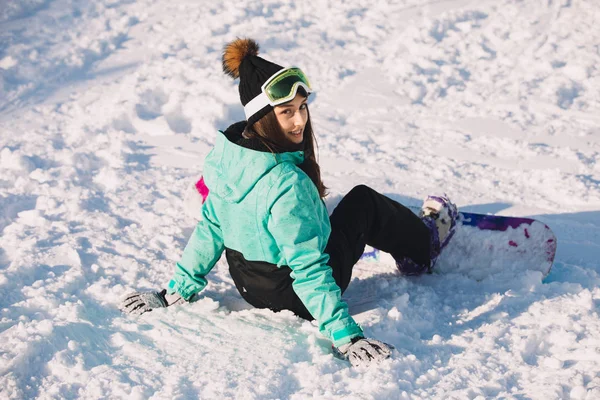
269,132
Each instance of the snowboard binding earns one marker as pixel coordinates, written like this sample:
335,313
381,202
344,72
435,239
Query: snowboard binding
440,215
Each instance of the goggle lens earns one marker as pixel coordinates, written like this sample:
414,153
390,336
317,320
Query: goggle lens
284,86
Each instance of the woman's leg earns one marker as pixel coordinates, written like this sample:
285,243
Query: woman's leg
365,216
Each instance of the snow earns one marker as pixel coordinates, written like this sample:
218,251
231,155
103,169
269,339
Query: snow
108,108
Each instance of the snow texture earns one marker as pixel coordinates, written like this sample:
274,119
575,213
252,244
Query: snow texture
108,108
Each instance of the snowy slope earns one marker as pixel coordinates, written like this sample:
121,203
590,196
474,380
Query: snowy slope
107,109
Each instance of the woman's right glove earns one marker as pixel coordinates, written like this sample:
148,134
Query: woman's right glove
362,352
141,302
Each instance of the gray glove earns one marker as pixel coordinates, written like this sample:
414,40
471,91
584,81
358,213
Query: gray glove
140,302
363,352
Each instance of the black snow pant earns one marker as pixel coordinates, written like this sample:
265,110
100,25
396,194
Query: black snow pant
366,217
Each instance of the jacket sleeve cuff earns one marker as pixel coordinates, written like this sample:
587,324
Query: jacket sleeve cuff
345,334
185,291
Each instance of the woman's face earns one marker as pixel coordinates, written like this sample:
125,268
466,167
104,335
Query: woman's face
292,117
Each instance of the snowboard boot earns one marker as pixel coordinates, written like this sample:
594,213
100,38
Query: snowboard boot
439,214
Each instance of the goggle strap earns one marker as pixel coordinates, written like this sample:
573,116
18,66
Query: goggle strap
256,104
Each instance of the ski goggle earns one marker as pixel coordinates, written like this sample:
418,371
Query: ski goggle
278,89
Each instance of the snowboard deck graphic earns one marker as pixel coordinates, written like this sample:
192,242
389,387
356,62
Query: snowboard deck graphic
485,245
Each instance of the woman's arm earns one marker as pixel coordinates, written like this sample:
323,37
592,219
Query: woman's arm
200,255
300,225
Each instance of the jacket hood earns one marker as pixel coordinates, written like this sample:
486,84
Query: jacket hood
235,165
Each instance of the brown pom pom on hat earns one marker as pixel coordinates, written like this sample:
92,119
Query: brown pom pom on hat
241,60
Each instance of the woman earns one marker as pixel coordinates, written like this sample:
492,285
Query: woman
265,210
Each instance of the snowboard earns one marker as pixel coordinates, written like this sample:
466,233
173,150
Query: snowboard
485,245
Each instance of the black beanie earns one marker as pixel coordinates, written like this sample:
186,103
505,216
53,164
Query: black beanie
241,60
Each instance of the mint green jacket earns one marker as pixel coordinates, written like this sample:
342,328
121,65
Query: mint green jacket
265,207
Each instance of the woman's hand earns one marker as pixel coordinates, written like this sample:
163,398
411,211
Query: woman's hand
140,302
363,352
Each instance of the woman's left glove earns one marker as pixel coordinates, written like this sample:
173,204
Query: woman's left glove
140,302
362,352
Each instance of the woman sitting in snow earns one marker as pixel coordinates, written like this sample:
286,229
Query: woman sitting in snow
265,210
